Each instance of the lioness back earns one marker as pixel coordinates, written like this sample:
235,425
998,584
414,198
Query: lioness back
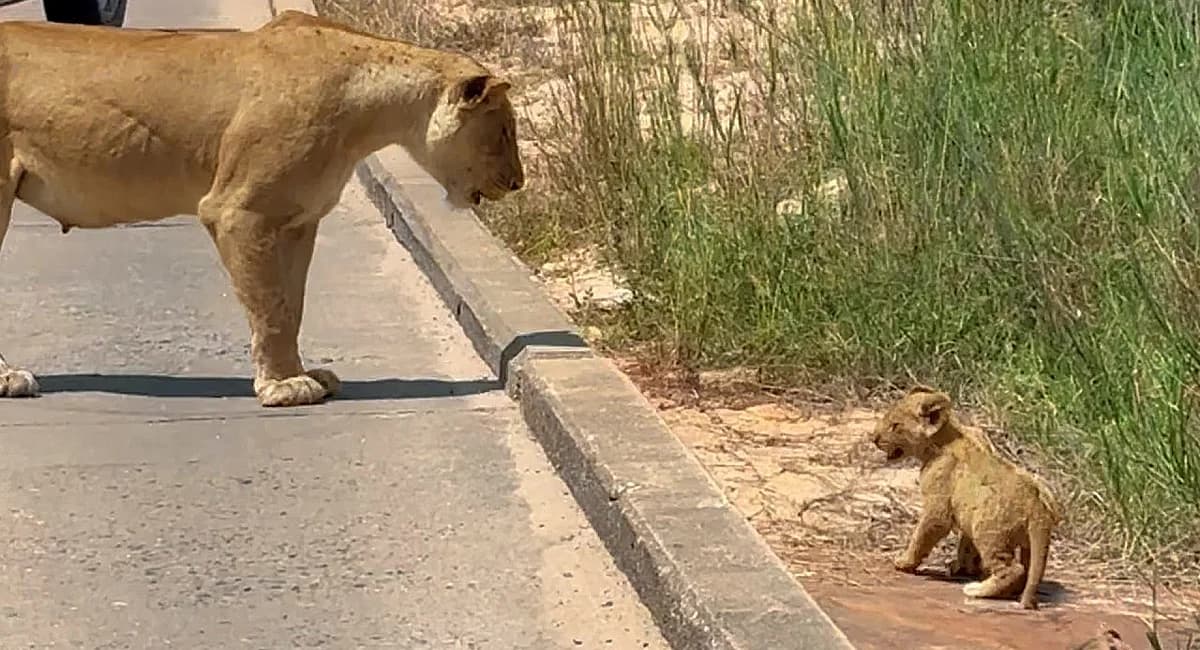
84,110
115,126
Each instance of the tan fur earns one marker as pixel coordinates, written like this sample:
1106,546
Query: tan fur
254,132
1003,515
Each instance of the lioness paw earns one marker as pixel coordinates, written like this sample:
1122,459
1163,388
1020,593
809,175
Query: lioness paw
327,379
293,391
17,383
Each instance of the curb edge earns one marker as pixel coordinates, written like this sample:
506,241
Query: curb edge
638,485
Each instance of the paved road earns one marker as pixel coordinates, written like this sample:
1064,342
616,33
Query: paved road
147,501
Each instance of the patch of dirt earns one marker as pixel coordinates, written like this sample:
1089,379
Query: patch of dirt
581,281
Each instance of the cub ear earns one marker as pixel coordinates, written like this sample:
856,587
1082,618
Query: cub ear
934,409
478,89
920,388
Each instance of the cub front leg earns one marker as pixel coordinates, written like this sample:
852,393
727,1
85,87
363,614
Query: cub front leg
929,531
252,253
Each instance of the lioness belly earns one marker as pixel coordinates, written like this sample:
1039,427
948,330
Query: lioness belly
111,127
92,197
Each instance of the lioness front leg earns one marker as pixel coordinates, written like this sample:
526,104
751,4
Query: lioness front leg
14,382
249,246
295,247
929,531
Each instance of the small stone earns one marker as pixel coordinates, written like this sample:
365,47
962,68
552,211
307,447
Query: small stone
789,207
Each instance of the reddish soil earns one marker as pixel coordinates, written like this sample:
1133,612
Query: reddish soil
902,611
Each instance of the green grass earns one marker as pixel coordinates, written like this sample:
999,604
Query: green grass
1020,224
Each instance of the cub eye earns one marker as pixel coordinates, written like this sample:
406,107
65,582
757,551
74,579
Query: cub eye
892,427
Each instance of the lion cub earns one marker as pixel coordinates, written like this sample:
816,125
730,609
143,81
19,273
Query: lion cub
1003,515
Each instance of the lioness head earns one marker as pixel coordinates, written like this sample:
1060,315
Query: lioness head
906,428
471,142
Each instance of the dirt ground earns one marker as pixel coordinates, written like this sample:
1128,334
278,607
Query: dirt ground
798,469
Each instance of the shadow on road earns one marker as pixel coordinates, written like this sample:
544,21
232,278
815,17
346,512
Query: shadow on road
168,386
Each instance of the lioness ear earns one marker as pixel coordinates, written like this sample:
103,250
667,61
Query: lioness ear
477,89
934,410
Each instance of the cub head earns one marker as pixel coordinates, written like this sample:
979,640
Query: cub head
471,141
907,428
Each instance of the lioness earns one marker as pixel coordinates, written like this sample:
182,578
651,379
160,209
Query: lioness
996,507
254,132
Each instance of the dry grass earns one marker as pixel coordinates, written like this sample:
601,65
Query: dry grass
497,29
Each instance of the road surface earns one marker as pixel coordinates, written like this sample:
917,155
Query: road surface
147,501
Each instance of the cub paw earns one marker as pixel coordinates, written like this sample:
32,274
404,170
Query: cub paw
293,391
327,379
17,383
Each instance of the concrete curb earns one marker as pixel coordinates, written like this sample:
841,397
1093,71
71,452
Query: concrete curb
708,579
492,294
705,575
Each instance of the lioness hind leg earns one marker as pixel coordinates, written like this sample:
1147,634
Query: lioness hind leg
14,382
295,247
1005,576
248,244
